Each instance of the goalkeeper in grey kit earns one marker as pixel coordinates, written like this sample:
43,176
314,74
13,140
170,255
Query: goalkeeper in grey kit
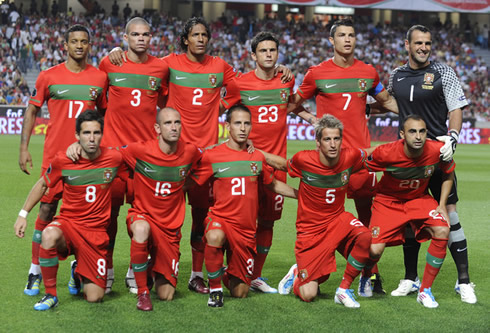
433,91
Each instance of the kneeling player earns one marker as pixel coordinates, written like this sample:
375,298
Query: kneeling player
322,224
402,198
160,169
80,229
231,222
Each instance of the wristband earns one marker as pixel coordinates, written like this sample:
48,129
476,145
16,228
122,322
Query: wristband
23,213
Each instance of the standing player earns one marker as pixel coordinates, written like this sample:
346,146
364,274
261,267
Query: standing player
232,221
134,89
322,223
402,198
160,168
432,90
68,88
80,229
341,86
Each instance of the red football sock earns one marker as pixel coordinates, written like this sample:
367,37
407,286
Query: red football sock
357,259
435,257
49,269
139,263
36,238
213,258
264,242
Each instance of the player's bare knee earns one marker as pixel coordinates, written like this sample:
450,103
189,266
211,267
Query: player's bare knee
50,237
92,292
376,250
440,232
141,231
166,294
240,291
215,237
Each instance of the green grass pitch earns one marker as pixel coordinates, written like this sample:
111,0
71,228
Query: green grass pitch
259,312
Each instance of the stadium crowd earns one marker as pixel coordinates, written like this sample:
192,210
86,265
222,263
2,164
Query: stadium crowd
33,40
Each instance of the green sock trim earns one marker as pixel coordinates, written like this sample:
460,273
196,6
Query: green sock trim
36,236
354,263
217,274
263,249
139,267
434,261
48,262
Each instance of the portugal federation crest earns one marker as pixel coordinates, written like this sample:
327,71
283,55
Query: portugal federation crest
362,84
284,95
429,171
344,177
428,78
93,93
107,175
375,232
213,80
254,168
182,173
152,83
303,274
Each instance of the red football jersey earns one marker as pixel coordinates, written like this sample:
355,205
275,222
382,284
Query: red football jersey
267,100
133,96
194,90
342,92
236,176
67,94
86,197
158,180
406,178
322,189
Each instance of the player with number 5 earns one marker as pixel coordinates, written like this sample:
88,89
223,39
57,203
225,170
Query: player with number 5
80,227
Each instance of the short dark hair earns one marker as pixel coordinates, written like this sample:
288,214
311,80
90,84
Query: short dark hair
236,107
136,20
412,116
76,27
188,28
89,115
345,22
262,36
418,27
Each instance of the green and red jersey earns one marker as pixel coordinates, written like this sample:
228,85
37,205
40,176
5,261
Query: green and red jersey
86,199
322,189
342,92
158,180
133,95
236,176
67,95
194,90
406,178
267,100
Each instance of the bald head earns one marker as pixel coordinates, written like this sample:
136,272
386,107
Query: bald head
136,21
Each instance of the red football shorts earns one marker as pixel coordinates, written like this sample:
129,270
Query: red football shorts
271,203
164,245
240,249
89,248
362,184
53,194
201,196
315,254
391,216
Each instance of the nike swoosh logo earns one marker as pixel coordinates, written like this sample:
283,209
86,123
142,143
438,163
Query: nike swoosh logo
310,179
120,79
356,264
250,98
180,77
62,91
400,79
137,268
73,177
330,85
149,170
437,262
222,170
450,195
461,250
